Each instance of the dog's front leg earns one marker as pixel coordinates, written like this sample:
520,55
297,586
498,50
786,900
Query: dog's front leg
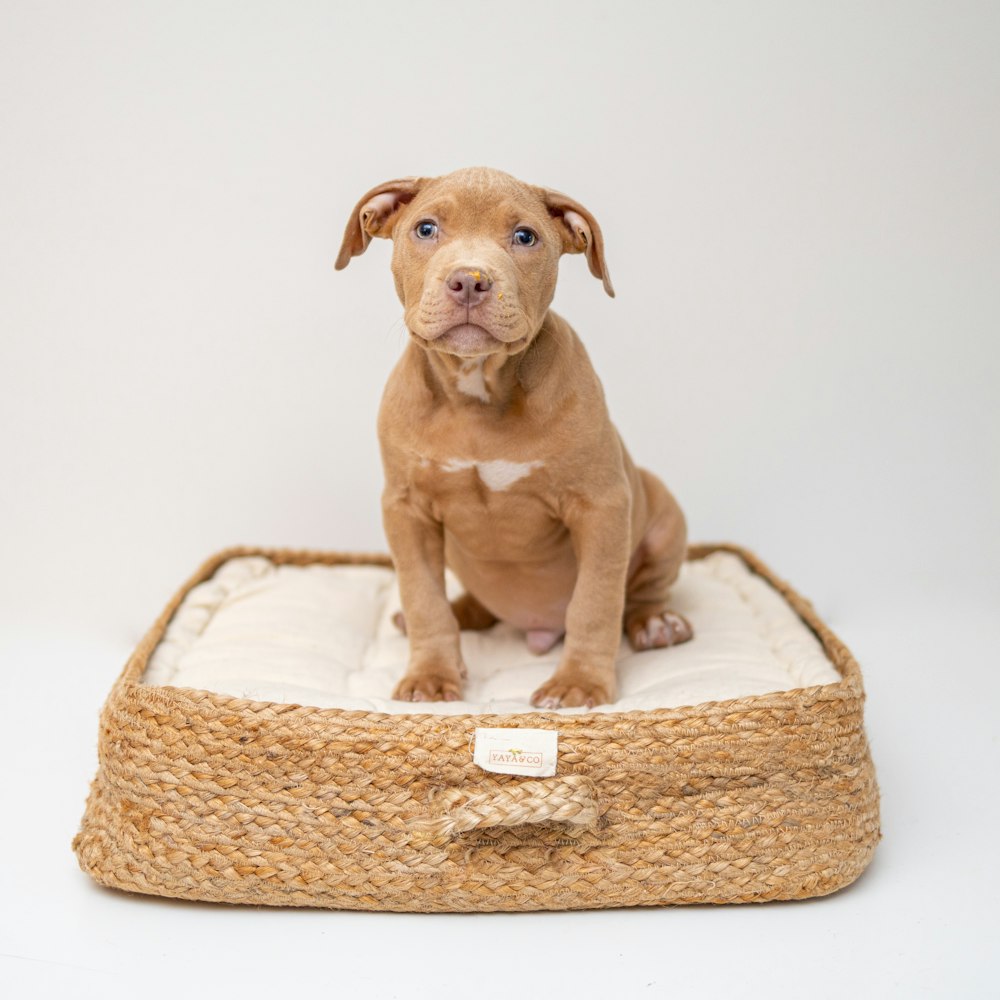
600,534
435,670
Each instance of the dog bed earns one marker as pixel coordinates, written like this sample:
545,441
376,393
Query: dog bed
250,752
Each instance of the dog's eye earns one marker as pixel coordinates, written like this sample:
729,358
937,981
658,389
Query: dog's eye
525,237
426,230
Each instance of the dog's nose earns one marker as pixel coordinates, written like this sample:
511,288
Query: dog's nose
468,286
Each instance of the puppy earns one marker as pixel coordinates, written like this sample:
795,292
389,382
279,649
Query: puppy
500,459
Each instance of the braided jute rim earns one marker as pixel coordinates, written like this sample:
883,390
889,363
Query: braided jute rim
205,796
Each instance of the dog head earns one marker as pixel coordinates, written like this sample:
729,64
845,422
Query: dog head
475,255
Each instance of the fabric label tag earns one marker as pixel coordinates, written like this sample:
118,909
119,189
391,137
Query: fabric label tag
517,751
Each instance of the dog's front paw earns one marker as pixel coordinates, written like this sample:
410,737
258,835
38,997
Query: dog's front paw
570,687
433,682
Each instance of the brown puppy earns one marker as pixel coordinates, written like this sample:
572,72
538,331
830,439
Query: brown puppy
500,458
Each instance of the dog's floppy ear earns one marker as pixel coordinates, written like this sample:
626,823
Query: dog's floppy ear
374,214
580,233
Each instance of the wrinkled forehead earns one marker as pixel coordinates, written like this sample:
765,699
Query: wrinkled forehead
478,199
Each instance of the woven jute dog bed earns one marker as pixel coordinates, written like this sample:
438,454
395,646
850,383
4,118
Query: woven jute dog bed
203,796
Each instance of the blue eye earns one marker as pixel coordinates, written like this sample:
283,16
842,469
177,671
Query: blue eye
426,230
525,237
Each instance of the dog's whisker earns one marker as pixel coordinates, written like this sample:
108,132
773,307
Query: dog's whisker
397,327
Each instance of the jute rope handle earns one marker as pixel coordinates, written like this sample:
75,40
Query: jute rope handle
569,799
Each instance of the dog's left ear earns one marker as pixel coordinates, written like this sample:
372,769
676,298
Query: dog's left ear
374,215
580,233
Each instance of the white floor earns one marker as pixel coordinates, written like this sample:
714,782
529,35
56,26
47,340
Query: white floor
920,922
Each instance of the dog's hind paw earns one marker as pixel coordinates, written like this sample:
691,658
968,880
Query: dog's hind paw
654,631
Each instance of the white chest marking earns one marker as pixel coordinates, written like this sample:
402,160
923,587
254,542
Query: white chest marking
471,380
498,474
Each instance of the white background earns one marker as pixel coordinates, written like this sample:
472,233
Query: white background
801,208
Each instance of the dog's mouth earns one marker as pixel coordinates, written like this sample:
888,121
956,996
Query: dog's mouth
467,340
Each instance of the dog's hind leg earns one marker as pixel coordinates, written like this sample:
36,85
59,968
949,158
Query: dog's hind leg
468,612
471,614
648,620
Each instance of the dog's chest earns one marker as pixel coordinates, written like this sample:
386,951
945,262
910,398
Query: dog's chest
468,475
490,506
455,456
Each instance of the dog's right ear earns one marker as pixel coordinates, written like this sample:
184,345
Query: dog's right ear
374,215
